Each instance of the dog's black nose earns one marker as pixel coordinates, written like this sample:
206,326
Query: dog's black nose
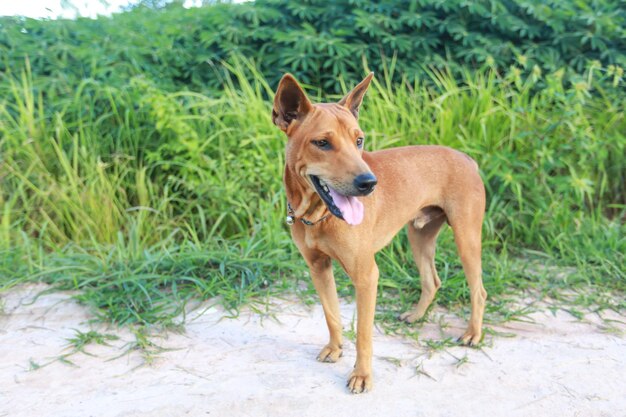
365,183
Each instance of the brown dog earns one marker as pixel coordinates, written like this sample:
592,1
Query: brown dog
330,183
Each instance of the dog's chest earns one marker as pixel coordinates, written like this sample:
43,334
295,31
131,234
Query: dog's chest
343,243
315,238
328,239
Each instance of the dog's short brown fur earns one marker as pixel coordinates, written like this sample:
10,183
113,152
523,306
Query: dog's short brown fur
418,186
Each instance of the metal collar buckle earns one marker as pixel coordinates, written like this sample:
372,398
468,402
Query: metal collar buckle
290,219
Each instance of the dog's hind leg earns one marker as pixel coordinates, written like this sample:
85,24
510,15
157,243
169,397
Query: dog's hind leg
423,241
467,234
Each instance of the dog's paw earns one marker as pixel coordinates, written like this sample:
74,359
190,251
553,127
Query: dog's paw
471,337
360,382
411,316
330,354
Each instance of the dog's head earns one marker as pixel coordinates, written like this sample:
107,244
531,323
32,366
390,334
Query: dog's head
325,146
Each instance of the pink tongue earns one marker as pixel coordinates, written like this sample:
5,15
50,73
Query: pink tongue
351,208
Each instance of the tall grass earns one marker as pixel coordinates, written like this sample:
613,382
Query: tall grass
142,199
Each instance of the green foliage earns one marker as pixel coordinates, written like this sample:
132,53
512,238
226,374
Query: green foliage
142,198
319,41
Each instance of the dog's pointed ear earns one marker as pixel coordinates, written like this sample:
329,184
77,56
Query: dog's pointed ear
290,102
352,101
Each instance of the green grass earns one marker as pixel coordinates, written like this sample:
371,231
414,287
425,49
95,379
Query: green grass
143,199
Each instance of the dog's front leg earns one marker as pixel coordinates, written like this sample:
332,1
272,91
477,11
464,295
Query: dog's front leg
321,270
324,283
365,278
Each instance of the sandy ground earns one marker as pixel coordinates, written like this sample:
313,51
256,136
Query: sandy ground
258,365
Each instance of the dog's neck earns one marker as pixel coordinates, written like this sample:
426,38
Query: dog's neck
304,201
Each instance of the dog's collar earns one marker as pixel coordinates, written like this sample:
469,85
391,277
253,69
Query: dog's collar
291,216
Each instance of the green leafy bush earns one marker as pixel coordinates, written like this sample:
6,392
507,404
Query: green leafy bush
320,41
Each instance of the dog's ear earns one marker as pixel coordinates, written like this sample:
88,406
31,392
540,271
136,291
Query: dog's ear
352,100
290,102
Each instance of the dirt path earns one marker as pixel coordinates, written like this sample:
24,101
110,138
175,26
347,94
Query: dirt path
259,366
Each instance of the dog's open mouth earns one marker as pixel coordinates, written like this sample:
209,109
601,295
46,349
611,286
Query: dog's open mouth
346,207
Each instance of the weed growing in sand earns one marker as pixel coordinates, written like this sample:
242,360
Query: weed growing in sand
460,361
32,365
419,370
438,345
145,344
82,339
350,333
394,361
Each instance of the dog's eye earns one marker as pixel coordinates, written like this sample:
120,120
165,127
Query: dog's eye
359,143
322,144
